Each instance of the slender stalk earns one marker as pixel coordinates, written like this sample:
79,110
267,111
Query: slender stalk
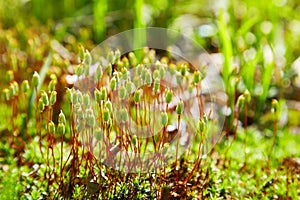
164,136
139,142
53,158
198,160
274,135
177,144
107,142
235,132
47,149
40,134
237,123
137,130
61,160
48,171
13,120
246,129
37,115
200,101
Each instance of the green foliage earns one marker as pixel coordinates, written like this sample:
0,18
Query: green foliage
180,107
9,187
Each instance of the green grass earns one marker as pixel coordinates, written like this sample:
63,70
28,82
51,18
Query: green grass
250,177
100,9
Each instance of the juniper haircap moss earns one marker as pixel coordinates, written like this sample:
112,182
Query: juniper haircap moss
79,70
202,125
124,115
86,100
61,129
10,75
78,96
164,118
41,105
103,93
168,95
197,77
241,101
128,86
52,84
35,79
156,84
106,114
97,95
113,83
5,93
87,57
99,73
180,107
25,86
108,105
53,97
122,92
274,105
12,90
247,96
51,127
61,118
16,87
137,95
45,98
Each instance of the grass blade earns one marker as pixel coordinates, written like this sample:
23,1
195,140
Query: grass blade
99,11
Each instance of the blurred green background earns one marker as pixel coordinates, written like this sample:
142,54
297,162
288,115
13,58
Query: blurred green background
249,22
259,39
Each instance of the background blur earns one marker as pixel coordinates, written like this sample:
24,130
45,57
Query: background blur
253,30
